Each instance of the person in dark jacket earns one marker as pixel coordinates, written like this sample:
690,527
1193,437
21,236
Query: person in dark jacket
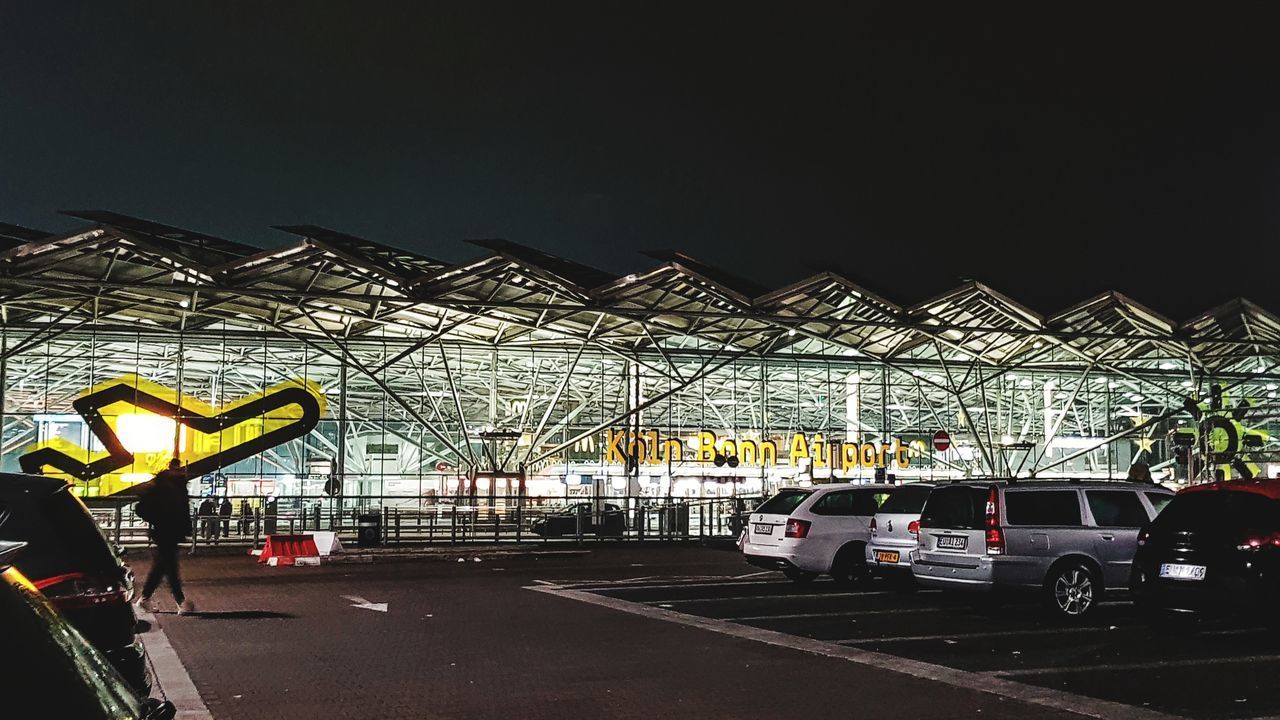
224,512
166,509
208,514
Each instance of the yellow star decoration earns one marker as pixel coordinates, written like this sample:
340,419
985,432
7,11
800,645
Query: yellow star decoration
1145,442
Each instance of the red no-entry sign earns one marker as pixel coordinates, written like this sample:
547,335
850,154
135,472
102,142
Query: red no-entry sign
941,441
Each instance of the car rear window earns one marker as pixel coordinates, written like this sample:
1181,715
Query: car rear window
905,500
1158,500
961,507
1209,510
849,502
1116,508
784,502
1042,507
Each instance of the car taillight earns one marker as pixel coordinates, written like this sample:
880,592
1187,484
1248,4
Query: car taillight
873,526
1143,537
1257,541
913,527
797,528
995,533
77,590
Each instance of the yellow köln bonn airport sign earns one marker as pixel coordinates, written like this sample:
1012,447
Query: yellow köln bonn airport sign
650,448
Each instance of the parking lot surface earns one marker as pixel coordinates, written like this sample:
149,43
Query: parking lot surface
1115,664
669,631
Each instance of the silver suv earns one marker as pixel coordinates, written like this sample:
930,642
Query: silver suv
1070,540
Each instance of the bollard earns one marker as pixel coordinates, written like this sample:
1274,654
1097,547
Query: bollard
453,525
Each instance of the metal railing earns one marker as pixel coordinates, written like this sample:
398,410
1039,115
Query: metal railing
383,521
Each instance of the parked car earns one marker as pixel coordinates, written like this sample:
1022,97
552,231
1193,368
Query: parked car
807,532
561,522
895,530
1068,540
50,667
1215,547
75,567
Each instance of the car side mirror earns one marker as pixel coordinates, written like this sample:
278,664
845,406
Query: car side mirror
153,709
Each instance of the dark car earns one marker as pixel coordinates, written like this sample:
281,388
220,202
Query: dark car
44,655
1214,547
74,566
563,522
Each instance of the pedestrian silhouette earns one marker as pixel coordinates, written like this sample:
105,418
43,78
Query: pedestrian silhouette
165,507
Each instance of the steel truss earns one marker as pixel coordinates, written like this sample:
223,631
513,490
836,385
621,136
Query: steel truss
427,357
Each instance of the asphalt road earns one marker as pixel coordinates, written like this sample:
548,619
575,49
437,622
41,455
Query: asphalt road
644,632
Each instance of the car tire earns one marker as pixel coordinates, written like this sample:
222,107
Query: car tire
799,576
850,566
1073,589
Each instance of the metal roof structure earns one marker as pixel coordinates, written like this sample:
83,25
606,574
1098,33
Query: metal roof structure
675,325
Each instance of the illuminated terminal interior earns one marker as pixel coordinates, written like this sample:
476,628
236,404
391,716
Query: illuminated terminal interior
337,362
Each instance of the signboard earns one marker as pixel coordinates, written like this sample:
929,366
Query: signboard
651,448
941,441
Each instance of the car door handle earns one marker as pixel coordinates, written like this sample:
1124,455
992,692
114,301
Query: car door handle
1107,537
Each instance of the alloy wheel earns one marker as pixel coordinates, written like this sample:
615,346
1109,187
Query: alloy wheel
1073,591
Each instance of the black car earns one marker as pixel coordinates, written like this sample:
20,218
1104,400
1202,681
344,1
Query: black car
563,522
72,564
1214,548
46,664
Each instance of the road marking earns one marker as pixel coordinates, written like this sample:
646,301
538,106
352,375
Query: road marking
359,602
969,636
788,596
670,583
756,574
1157,665
1046,697
171,674
841,613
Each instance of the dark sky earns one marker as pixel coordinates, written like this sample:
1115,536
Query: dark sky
1052,152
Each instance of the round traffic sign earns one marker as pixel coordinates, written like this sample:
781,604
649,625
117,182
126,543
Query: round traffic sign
941,441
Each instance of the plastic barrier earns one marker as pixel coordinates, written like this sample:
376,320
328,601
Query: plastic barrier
282,549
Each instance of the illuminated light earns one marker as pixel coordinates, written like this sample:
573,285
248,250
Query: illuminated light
1135,397
1037,344
792,331
1025,383
1111,385
1186,383
1271,386
183,303
1168,366
1006,439
134,478
916,373
147,432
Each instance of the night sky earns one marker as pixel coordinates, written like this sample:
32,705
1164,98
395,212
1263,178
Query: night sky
1050,152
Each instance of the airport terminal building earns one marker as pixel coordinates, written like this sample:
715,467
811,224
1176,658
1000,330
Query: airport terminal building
337,365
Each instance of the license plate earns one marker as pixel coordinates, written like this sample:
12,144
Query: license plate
887,556
952,542
1178,571
764,529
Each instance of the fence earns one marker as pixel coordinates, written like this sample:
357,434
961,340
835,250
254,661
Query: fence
418,521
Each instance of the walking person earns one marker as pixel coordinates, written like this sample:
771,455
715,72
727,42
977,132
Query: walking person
224,512
165,508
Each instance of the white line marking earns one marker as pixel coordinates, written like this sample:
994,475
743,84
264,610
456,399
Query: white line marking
1090,707
969,636
171,675
1157,665
696,582
788,596
843,613
756,574
359,602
